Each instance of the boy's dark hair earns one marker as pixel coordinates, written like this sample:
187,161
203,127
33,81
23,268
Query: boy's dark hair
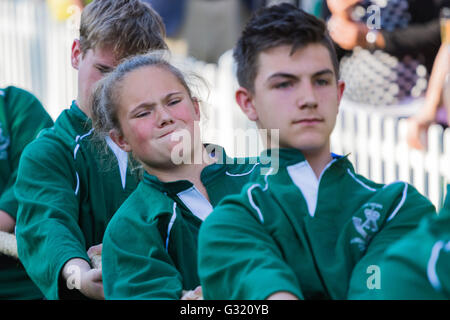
274,26
130,27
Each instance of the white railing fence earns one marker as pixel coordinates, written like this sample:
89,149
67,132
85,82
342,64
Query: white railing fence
35,55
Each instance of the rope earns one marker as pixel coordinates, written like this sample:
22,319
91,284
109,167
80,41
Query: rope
8,246
96,261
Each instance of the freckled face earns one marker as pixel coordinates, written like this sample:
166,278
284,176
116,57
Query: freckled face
153,106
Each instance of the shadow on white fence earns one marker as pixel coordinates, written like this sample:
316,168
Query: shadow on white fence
35,55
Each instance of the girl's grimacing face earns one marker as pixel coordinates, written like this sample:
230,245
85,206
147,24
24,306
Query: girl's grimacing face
153,105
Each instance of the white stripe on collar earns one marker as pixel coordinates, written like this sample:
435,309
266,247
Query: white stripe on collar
305,179
122,159
196,202
242,174
171,222
250,196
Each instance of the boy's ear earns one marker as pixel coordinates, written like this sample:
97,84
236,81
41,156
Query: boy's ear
196,104
76,54
120,140
244,99
341,88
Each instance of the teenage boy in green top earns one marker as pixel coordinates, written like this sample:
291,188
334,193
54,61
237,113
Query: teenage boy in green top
417,266
22,117
316,228
68,185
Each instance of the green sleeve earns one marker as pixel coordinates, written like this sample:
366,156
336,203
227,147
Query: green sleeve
27,118
238,258
407,266
135,264
365,279
47,229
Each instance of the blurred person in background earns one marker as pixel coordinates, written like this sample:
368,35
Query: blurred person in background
22,117
387,47
63,9
436,108
433,110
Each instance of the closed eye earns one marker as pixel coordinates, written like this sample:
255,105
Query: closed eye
173,102
283,85
143,114
103,69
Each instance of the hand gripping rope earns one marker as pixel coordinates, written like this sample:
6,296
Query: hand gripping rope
8,246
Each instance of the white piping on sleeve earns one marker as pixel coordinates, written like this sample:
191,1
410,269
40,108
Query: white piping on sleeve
394,213
77,188
250,197
78,138
431,267
172,220
75,151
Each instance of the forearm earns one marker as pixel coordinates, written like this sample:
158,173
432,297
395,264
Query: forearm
7,223
422,38
438,73
435,86
282,295
342,8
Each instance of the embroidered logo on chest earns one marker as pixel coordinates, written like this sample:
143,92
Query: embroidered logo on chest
367,227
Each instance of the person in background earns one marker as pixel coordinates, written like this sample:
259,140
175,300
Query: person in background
386,48
416,267
315,228
67,187
22,117
436,107
62,9
172,13
150,245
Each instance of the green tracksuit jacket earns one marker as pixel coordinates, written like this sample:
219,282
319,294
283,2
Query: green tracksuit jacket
150,245
316,238
417,267
69,185
22,117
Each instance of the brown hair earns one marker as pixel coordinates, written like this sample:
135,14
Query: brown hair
130,26
274,26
